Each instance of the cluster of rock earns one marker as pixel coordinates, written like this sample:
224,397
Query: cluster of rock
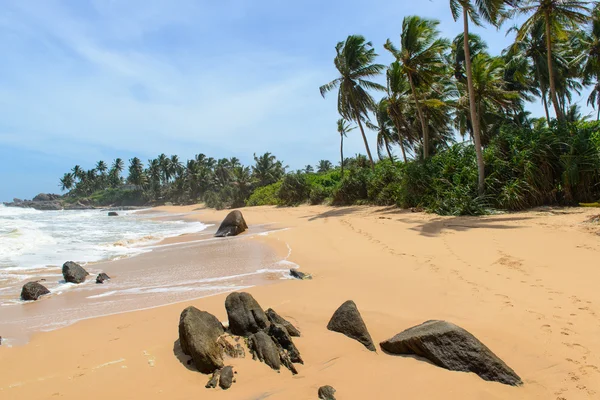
72,273
46,202
267,334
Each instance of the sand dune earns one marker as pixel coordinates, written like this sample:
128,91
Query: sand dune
525,284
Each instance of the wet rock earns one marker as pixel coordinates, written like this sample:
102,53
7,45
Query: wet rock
299,275
326,393
232,350
264,349
198,334
73,272
450,346
113,214
245,314
102,277
283,338
275,318
214,380
347,320
232,225
33,291
226,378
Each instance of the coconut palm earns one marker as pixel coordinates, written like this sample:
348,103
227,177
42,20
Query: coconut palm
558,16
66,182
386,134
267,169
308,169
421,59
136,172
324,166
399,105
355,62
343,127
589,43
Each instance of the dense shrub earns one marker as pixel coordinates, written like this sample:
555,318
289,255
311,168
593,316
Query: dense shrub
118,197
294,189
265,196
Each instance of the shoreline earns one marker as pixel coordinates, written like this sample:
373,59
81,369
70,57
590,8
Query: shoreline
513,280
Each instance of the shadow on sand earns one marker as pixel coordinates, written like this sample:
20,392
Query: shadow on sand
435,226
183,358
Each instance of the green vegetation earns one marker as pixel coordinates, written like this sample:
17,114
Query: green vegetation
435,91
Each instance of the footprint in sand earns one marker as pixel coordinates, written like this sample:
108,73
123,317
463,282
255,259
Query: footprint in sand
546,328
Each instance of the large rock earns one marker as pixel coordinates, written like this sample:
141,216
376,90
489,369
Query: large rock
275,318
198,334
283,338
347,320
232,225
245,315
32,291
73,272
264,349
326,393
451,347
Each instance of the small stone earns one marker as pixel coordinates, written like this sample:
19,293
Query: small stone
226,379
326,393
102,277
214,380
299,275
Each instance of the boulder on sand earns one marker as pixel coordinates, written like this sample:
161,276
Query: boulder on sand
198,334
326,393
245,315
347,320
32,291
275,318
226,378
264,349
450,346
232,225
299,274
102,277
73,272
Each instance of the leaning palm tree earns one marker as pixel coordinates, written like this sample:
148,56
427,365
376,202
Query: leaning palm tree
343,128
491,11
421,59
66,182
386,134
355,62
558,16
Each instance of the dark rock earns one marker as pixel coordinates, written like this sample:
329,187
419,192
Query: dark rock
286,361
232,350
245,315
451,347
16,200
46,197
198,334
299,275
275,318
113,214
73,272
214,380
33,290
232,225
283,338
326,393
347,320
226,378
102,277
264,349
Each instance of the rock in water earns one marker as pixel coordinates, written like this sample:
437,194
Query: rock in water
451,347
299,275
275,318
33,291
102,277
347,320
264,349
326,393
73,272
198,334
113,214
226,378
245,315
232,225
281,336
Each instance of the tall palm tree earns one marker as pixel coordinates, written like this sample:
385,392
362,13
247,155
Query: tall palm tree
78,172
136,172
324,166
343,127
399,105
267,169
421,60
589,43
384,128
66,182
355,62
557,16
491,11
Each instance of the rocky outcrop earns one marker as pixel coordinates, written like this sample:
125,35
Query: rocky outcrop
232,225
347,320
33,291
226,378
73,272
283,339
198,334
450,346
245,314
102,277
46,197
233,350
326,393
275,318
264,349
299,274
113,214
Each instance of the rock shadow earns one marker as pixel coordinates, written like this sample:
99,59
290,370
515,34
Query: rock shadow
182,357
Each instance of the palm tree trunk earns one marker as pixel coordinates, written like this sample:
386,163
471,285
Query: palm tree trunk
400,139
342,153
543,88
362,131
474,117
421,118
387,147
559,114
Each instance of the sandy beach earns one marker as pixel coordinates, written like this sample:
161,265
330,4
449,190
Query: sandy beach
525,284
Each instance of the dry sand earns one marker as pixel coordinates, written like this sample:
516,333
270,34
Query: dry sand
525,284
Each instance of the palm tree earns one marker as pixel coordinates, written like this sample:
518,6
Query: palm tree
354,61
399,105
101,167
78,172
136,172
384,128
557,17
308,169
324,166
421,59
343,128
589,43
267,169
66,182
175,166
491,11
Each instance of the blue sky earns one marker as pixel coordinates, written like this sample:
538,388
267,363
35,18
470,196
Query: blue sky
85,80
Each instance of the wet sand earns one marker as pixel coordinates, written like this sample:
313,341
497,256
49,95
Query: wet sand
525,284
